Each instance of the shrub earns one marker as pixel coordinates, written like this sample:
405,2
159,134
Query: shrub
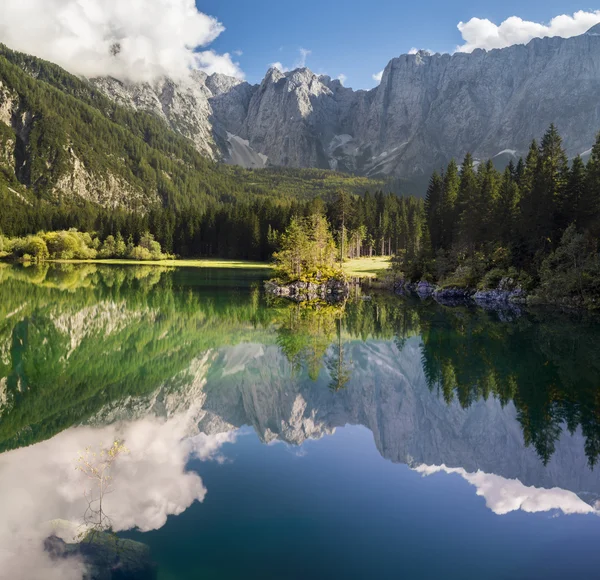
71,245
140,253
31,249
572,272
492,278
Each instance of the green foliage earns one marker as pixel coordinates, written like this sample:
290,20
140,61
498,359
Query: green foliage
31,248
74,245
307,251
484,226
572,272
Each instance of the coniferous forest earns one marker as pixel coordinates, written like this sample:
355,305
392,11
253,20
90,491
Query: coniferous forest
535,223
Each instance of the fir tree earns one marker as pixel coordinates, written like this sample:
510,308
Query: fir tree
448,204
466,204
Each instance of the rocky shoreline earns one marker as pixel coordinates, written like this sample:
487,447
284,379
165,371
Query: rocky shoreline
333,290
507,294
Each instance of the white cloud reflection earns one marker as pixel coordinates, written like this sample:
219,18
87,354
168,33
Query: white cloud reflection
41,491
503,496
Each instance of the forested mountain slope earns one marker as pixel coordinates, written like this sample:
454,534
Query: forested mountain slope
64,141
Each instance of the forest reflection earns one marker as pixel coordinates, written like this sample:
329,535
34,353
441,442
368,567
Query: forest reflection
76,338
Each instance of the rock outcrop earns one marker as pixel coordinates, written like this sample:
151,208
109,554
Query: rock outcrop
106,557
331,291
426,110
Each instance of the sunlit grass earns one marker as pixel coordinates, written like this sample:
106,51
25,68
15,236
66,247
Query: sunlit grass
367,267
357,268
208,263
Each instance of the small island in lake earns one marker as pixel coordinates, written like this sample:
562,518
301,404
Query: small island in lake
308,264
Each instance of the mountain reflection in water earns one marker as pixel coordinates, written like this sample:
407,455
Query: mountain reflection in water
177,362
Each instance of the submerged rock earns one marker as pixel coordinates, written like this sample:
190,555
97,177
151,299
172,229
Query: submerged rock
452,296
425,289
507,295
106,557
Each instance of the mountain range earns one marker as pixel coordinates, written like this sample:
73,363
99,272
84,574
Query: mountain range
116,143
427,109
63,140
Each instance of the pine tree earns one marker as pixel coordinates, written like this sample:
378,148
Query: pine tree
466,204
448,205
433,208
485,227
342,211
549,186
507,208
591,202
572,203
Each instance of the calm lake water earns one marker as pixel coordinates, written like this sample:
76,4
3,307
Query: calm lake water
387,439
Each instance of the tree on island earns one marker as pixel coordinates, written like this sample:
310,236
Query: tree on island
307,250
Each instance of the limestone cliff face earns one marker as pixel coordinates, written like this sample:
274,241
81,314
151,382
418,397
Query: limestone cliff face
205,109
427,109
184,106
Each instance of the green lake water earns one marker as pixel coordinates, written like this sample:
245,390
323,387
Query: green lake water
386,438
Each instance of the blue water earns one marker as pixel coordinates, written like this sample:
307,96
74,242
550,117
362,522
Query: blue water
334,508
388,438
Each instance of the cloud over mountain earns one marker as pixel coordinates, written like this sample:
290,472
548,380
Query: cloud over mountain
482,33
135,40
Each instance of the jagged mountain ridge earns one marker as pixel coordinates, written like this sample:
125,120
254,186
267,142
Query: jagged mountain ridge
63,140
427,109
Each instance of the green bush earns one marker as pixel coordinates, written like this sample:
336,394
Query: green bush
571,274
31,249
492,278
140,253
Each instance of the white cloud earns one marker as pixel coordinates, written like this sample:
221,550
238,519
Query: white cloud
482,33
304,54
41,492
300,61
503,495
342,78
211,62
279,66
378,76
135,40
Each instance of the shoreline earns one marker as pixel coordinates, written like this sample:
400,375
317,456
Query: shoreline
362,268
199,263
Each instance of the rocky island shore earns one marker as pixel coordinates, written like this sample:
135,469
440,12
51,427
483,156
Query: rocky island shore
507,293
331,290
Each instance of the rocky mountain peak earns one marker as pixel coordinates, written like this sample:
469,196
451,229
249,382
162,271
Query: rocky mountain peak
594,30
426,110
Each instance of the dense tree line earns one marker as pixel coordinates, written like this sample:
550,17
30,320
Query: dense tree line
538,221
371,224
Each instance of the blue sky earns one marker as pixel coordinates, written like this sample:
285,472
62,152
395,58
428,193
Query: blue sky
243,37
355,38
